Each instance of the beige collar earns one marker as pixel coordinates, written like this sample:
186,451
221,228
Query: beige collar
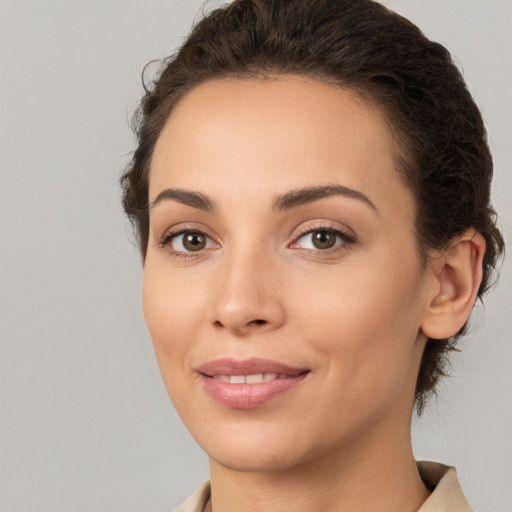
447,495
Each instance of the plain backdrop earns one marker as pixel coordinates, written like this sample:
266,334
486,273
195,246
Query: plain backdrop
85,422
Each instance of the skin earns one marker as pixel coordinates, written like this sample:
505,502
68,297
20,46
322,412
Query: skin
355,315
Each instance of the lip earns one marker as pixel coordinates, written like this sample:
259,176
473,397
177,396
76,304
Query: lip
228,366
247,395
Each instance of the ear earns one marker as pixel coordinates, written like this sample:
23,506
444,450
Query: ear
457,274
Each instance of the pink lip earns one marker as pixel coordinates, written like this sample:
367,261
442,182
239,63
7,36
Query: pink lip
248,396
227,366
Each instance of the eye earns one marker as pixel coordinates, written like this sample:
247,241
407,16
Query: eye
322,239
187,241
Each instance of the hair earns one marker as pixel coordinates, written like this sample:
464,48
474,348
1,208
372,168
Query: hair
440,138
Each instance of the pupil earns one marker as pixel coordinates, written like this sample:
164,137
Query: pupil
194,241
324,239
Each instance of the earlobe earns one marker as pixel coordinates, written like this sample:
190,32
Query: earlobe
457,276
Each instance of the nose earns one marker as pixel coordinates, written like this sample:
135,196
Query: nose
248,298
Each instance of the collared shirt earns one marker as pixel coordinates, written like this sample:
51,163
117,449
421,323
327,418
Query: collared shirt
447,495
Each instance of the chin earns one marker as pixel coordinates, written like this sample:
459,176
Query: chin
252,449
254,461
244,464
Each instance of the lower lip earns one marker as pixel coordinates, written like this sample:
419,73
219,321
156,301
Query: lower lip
249,396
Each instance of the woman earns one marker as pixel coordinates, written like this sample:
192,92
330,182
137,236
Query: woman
311,193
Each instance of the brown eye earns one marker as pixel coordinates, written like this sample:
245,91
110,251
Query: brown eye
194,241
323,239
188,241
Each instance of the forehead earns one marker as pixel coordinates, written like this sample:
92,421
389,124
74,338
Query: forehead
274,134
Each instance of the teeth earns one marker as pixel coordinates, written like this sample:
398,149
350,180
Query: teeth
255,378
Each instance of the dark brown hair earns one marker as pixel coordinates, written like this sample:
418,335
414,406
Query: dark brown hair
442,153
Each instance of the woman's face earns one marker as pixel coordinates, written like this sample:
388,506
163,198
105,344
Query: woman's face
282,285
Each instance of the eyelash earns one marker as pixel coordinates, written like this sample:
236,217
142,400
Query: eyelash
166,241
346,241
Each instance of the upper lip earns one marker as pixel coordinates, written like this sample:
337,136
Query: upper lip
228,366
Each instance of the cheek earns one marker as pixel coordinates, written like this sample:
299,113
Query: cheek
172,309
363,317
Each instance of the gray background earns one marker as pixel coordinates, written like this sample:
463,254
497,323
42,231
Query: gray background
85,422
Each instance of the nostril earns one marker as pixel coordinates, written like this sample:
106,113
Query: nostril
258,321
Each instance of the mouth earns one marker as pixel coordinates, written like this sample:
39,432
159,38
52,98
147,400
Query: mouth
253,378
248,384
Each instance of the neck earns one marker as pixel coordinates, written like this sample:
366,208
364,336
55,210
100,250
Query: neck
377,476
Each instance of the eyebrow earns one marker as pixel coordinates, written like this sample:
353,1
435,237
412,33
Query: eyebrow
187,197
287,201
307,195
